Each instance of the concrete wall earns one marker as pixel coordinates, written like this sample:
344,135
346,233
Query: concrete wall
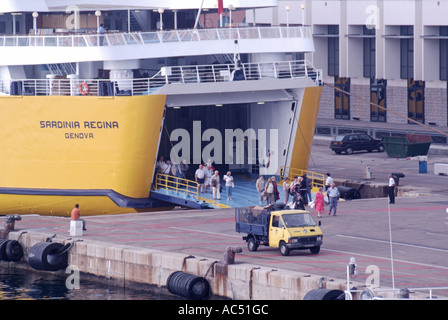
131,265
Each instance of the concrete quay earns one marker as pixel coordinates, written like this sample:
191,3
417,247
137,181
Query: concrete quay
145,248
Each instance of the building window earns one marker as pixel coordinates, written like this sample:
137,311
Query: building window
416,101
333,50
378,97
369,53
407,52
443,62
342,98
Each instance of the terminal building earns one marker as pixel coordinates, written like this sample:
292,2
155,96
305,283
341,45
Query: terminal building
379,52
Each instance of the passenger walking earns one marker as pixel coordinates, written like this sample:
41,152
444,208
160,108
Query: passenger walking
216,185
303,191
308,185
328,181
184,169
76,216
271,191
286,190
260,188
333,196
319,202
391,189
229,185
199,177
208,169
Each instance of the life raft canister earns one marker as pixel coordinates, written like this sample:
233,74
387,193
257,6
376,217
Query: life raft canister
83,88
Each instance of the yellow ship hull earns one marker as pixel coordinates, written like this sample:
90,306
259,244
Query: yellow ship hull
96,151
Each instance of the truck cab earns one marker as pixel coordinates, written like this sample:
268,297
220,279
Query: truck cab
284,229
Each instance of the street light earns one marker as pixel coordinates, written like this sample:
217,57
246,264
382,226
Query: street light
303,13
231,8
98,15
161,11
35,15
287,8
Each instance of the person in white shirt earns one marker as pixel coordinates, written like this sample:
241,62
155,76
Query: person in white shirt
328,181
229,184
208,175
216,185
391,189
199,177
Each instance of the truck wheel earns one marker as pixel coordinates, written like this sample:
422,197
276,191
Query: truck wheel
284,250
252,244
315,250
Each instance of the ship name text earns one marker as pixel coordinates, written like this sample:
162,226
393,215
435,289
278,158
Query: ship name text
86,125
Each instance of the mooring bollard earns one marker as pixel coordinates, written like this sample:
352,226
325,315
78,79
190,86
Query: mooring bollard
10,223
229,254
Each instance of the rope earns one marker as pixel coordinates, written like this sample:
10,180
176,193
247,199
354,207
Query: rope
184,262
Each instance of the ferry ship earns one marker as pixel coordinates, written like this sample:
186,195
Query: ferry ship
85,114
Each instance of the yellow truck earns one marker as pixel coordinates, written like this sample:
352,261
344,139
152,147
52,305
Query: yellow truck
284,229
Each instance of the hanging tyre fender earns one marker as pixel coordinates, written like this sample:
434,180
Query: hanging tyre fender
188,285
324,294
3,244
14,250
49,256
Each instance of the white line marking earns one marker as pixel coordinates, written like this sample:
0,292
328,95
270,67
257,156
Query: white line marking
394,243
387,258
208,232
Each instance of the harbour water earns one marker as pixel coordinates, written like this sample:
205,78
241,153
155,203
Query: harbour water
19,284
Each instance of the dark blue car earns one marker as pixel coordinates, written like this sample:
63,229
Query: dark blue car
355,142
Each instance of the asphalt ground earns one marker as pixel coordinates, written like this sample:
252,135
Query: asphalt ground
417,256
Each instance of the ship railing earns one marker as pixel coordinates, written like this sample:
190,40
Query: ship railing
73,86
141,37
176,184
317,179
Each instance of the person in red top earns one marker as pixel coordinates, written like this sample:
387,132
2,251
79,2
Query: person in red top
76,215
319,200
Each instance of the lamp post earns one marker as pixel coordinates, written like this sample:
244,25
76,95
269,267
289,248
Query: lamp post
287,8
231,8
161,11
35,15
98,15
303,13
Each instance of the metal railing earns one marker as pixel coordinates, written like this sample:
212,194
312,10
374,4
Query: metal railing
133,38
178,185
72,86
317,179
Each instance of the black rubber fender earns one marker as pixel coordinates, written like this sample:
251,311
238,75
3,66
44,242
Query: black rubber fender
188,285
324,294
14,250
47,256
3,243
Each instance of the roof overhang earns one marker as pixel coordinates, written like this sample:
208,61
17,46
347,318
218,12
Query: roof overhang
7,6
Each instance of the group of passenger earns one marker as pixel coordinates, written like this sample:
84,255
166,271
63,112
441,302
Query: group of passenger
296,193
206,176
172,168
299,191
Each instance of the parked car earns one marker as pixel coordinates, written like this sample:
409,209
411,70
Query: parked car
355,142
